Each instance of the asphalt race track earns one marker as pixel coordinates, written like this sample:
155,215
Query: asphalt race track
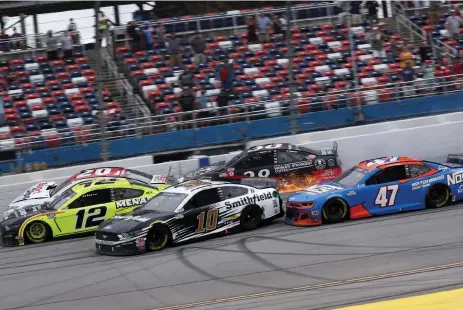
274,267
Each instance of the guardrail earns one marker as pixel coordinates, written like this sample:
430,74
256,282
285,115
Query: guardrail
353,100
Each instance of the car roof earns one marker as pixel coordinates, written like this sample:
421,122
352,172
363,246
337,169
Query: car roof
194,185
385,162
283,146
80,186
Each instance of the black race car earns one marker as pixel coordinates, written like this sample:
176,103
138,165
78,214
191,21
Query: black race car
294,167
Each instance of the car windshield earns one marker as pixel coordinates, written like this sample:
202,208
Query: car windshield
60,200
164,202
352,176
234,160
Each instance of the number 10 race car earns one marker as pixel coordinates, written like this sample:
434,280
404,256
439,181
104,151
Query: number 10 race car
78,205
376,187
188,211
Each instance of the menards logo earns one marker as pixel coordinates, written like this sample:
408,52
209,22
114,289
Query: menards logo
132,202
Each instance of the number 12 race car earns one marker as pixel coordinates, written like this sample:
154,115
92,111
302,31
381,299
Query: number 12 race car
376,187
295,167
78,205
188,211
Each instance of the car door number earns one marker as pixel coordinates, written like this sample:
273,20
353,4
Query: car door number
95,216
261,174
266,147
383,200
211,220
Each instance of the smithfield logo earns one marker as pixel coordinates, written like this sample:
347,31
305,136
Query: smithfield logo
455,178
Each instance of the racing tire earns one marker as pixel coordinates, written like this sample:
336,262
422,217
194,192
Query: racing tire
37,232
437,196
250,217
335,211
158,238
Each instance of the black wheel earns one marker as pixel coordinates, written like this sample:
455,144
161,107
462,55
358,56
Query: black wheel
437,196
250,218
37,232
158,238
335,211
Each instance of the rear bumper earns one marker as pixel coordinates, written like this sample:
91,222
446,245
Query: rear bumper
302,217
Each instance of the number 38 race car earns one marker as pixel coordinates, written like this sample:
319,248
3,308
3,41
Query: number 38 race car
294,167
376,187
78,205
190,210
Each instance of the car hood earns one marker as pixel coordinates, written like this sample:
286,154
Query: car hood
23,211
37,194
204,171
133,222
317,191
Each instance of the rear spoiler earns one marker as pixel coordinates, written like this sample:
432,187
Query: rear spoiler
260,183
332,151
162,179
454,160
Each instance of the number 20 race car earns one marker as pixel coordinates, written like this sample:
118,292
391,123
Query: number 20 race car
294,167
190,210
78,205
376,187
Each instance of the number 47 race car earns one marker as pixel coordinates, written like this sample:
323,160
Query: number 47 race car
78,205
376,187
190,210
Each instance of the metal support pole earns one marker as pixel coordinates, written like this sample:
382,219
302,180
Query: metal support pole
23,23
354,69
38,43
291,84
99,85
117,17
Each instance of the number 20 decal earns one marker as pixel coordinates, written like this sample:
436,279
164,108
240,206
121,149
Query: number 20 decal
383,200
261,174
95,217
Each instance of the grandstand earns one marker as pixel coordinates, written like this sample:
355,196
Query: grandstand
53,104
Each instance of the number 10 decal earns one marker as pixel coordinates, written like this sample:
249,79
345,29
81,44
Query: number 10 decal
211,220
383,200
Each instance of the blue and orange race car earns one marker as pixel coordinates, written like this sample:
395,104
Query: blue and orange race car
376,187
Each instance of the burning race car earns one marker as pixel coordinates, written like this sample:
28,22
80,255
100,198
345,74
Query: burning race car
294,167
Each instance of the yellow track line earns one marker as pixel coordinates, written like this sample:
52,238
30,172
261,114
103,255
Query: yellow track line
311,287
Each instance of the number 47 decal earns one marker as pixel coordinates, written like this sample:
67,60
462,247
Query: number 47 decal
382,199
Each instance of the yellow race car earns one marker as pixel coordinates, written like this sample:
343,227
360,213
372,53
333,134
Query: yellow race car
89,199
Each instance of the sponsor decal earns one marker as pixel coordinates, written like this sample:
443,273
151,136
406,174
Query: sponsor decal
334,195
426,182
320,189
320,164
331,162
158,179
131,218
310,157
108,227
315,212
293,166
51,216
455,178
351,193
380,161
244,201
440,168
460,189
98,241
140,243
132,202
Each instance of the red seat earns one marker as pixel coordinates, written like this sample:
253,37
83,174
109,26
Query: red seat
9,110
16,62
52,83
26,85
139,54
130,61
20,103
53,141
220,38
73,97
86,90
82,60
88,72
48,100
68,86
31,96
146,65
57,93
162,105
112,105
22,73
71,68
251,100
17,129
58,117
137,73
122,50
41,59
11,117
78,102
172,97
57,63
82,108
154,94
37,107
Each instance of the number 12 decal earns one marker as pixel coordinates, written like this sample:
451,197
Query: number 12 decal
95,217
383,200
211,220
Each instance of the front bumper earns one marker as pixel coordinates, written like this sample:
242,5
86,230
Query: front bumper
129,247
9,237
302,217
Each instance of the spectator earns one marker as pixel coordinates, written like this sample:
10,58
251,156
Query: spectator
4,41
72,28
453,24
103,26
425,52
342,8
263,26
173,49
223,101
428,74
277,28
67,45
396,47
377,44
148,32
52,46
356,17
16,40
434,12
284,25
160,36
186,79
408,75
372,11
198,45
252,29
405,57
134,34
203,103
187,103
225,74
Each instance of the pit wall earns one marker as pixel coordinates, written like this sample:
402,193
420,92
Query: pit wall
236,132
